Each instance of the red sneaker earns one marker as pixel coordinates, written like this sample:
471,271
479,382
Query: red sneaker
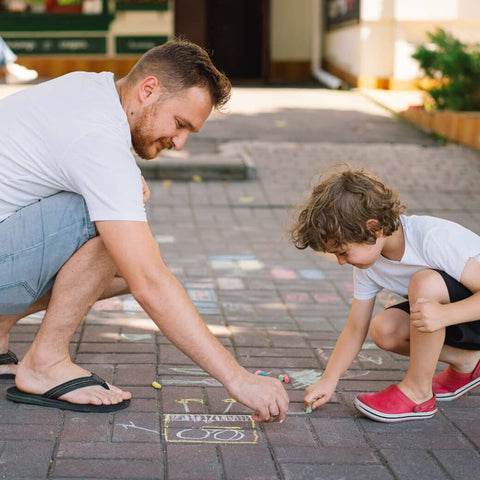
392,405
450,384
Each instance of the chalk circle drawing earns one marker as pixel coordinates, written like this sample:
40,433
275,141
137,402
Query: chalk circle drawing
209,428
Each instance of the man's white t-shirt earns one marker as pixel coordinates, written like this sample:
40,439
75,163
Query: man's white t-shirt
69,134
430,242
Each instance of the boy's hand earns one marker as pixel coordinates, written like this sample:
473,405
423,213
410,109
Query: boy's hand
318,394
265,395
427,316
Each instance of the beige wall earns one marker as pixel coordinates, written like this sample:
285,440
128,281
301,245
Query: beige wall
290,30
379,49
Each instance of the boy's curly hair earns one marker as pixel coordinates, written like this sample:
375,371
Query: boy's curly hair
339,208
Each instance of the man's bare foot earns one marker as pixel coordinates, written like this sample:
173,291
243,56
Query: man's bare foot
8,369
37,381
8,361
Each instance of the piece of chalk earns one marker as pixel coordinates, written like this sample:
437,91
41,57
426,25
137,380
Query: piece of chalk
281,378
309,408
156,385
260,372
286,378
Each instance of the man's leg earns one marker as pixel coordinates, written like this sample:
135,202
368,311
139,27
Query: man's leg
87,276
80,282
118,286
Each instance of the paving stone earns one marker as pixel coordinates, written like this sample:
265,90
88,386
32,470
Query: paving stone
109,468
193,461
26,459
338,432
259,466
338,455
334,472
408,463
293,431
460,464
85,427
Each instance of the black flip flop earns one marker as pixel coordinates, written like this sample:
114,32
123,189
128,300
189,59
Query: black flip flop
8,358
50,398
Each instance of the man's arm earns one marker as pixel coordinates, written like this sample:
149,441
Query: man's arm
137,256
346,350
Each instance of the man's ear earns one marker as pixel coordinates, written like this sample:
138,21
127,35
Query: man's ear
149,86
373,226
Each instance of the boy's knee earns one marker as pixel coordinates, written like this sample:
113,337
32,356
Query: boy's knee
389,332
427,284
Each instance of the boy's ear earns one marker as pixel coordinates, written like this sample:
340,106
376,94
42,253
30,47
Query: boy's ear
373,226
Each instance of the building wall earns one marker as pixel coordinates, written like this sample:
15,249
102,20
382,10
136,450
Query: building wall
290,40
377,51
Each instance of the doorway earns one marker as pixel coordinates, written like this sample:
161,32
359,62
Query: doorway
234,32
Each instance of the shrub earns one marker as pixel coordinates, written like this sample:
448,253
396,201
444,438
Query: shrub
455,69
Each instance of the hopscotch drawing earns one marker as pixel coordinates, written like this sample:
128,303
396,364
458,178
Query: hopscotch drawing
209,428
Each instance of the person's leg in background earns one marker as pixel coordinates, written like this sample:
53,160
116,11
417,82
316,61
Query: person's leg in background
14,73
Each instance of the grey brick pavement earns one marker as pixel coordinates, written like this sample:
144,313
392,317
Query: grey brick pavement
276,308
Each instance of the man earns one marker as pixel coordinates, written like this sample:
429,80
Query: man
73,227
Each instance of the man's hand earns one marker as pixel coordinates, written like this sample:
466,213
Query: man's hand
427,316
318,394
265,395
146,191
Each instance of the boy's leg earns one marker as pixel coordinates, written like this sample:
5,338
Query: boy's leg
437,286
390,330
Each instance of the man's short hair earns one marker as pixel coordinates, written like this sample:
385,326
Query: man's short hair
180,64
340,206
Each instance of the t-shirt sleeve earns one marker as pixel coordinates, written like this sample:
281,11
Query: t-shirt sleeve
100,167
364,288
447,246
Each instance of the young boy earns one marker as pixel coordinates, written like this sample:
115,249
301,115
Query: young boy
433,263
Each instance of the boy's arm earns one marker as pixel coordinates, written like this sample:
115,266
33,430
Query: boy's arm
430,316
346,350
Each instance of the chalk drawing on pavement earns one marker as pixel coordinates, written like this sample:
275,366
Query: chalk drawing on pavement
209,428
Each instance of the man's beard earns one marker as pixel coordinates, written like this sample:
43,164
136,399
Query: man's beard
140,146
140,142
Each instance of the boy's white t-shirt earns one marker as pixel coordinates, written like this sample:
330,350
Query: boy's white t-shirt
430,242
69,134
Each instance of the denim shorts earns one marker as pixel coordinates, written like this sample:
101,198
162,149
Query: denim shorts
462,335
35,242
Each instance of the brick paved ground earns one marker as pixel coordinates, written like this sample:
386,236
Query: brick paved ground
276,308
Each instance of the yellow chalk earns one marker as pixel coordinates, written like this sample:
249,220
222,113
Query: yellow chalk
156,385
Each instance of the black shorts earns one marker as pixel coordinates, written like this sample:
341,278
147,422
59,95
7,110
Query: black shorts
463,335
